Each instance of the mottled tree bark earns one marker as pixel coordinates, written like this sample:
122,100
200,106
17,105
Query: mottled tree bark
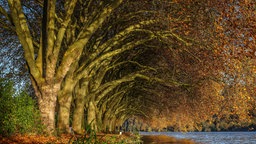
64,116
47,105
64,99
78,116
92,118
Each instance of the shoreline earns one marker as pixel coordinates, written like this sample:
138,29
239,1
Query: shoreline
163,139
110,138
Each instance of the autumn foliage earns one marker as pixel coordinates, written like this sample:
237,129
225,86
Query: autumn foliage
219,68
183,64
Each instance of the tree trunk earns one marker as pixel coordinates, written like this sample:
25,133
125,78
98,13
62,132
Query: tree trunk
109,121
112,124
92,119
78,115
47,105
106,121
65,99
64,114
104,124
99,120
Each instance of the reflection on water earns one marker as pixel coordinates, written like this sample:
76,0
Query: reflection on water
212,137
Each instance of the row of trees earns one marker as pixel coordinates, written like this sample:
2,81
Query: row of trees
101,62
86,51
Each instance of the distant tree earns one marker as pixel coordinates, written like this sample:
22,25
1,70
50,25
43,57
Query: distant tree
235,26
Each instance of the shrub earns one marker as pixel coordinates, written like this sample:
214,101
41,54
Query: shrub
18,112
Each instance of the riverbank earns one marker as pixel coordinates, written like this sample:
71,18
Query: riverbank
109,138
163,139
68,138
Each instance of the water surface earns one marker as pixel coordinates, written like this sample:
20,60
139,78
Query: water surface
212,137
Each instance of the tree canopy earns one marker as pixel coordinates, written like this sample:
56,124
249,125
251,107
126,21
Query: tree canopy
102,62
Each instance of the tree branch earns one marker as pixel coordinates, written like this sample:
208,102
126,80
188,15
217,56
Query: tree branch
74,51
24,36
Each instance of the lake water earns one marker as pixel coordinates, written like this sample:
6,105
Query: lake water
212,137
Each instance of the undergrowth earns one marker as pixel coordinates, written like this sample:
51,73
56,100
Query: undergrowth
18,111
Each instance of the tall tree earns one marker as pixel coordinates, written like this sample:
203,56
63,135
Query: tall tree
42,45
